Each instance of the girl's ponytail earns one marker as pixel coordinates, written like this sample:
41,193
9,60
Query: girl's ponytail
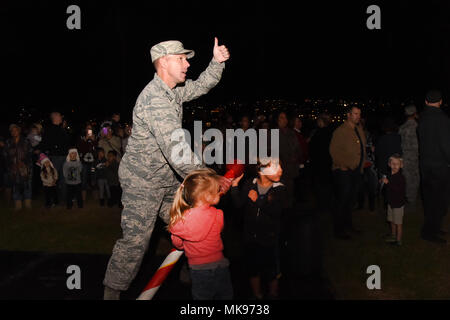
179,206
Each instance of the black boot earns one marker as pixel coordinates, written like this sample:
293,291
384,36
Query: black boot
102,202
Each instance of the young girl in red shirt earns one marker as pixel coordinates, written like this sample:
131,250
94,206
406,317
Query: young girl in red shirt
196,227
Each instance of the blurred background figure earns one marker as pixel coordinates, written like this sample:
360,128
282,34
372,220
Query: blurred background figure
109,142
55,144
19,165
319,150
301,181
87,145
369,182
348,151
434,148
410,148
35,138
289,156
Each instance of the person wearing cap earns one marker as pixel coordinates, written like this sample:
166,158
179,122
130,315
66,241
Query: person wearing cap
410,149
148,172
434,160
19,166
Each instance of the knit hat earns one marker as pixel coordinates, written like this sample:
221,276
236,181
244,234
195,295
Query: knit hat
70,151
43,159
410,110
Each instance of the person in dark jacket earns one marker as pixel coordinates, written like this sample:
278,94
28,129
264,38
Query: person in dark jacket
112,176
87,145
388,144
19,166
262,200
100,177
55,143
289,157
321,162
301,182
369,182
396,198
35,138
434,160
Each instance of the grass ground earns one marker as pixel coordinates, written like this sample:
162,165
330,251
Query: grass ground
58,230
417,270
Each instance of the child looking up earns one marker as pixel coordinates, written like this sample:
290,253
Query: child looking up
262,199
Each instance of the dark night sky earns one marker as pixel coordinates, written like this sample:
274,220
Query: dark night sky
284,51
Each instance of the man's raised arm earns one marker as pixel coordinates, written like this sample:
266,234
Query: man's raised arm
210,77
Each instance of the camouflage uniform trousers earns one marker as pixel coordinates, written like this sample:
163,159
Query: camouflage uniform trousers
412,177
143,201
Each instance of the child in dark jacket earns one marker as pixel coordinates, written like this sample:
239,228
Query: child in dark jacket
262,199
395,193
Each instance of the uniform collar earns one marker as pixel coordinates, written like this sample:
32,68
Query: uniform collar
160,83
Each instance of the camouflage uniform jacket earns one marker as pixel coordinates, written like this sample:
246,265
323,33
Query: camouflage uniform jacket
410,144
158,112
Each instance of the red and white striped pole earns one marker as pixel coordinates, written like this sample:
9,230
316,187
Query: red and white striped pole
160,275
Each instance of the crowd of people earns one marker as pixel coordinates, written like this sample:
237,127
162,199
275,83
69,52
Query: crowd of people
65,167
345,165
342,165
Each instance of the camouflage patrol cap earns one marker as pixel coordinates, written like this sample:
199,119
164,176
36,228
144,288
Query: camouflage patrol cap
169,47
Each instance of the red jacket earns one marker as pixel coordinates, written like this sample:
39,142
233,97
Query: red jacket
198,234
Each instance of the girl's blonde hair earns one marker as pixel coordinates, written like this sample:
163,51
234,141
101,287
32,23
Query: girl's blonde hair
199,183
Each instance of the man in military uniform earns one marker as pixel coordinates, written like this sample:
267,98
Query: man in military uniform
410,148
148,171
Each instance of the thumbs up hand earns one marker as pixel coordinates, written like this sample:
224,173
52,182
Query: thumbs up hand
221,53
